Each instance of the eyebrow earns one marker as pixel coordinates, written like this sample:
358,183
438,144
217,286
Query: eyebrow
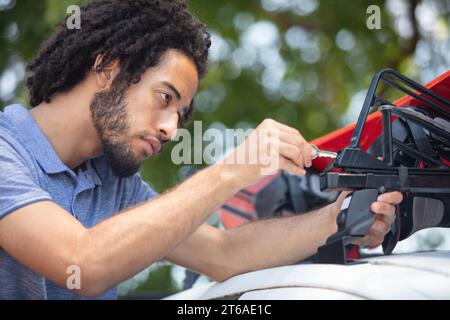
172,87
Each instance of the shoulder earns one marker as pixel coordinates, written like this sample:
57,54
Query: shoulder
18,179
12,150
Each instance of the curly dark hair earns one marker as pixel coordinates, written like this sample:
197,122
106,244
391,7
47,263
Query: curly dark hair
137,32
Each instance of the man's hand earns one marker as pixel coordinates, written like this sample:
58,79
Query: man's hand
271,147
384,210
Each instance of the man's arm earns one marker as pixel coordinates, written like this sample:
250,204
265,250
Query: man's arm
221,254
273,242
46,238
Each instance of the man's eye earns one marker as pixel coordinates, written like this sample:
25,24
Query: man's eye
167,98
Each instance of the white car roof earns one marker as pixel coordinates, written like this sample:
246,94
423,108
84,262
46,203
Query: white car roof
424,275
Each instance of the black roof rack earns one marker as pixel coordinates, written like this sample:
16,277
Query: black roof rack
415,151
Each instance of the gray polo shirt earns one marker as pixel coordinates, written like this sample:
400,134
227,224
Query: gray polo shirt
31,171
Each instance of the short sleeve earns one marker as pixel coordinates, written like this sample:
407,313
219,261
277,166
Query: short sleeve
141,191
17,186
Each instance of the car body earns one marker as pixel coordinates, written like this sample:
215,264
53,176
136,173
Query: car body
420,275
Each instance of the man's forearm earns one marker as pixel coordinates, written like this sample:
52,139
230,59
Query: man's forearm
128,242
279,241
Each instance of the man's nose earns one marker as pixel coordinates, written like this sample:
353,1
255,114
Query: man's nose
168,127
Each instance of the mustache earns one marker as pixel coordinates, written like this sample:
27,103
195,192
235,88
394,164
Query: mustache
162,140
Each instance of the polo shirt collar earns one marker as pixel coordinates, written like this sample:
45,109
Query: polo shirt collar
38,145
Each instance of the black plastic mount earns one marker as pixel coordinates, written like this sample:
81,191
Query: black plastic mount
335,252
354,221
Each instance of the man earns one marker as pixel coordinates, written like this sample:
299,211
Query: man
104,98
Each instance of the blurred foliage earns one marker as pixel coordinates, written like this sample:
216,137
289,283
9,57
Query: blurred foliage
300,62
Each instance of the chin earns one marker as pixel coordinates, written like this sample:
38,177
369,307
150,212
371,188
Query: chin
122,172
124,167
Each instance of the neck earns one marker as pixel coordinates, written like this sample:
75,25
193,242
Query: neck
67,124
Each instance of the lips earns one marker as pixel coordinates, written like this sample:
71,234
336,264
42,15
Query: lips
152,146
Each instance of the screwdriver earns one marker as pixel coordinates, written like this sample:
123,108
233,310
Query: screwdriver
323,153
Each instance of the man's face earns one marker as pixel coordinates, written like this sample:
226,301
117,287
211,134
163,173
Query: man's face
135,125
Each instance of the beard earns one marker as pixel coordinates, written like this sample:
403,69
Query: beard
110,118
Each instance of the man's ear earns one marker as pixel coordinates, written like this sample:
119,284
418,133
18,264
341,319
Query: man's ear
105,77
